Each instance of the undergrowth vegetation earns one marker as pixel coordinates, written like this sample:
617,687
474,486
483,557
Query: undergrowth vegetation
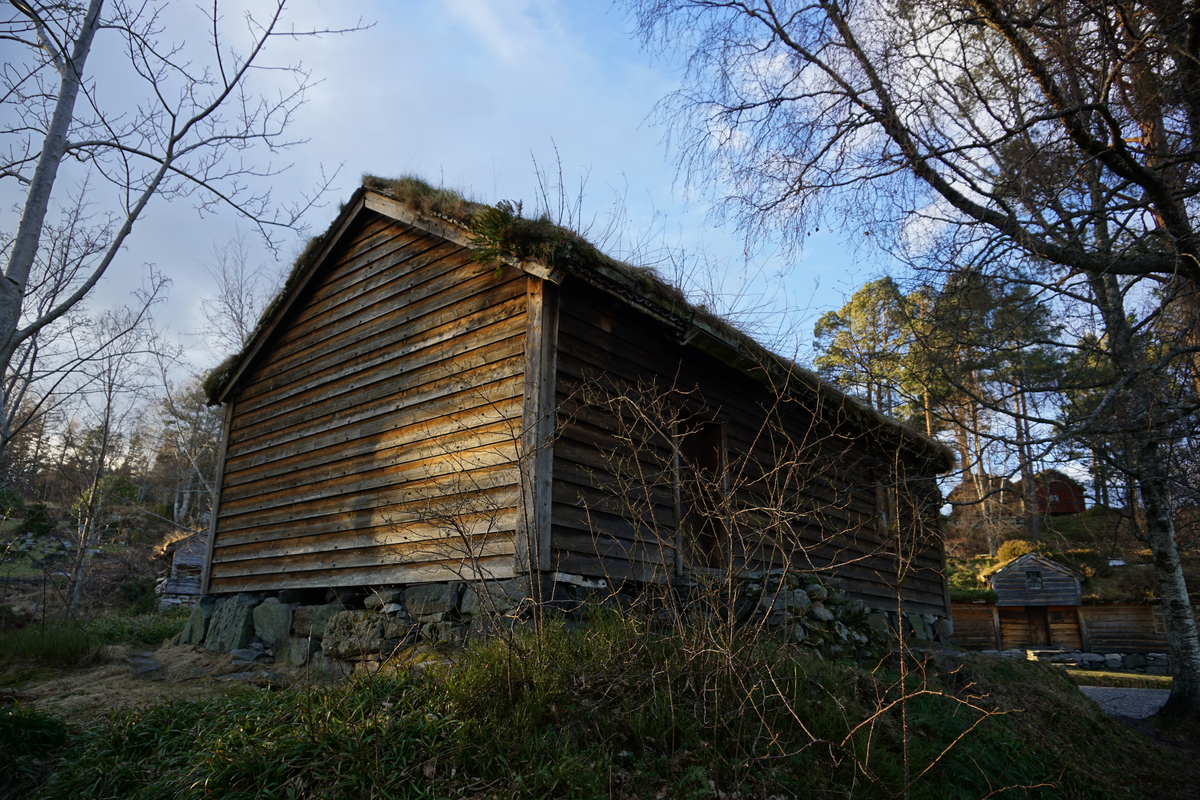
69,641
620,710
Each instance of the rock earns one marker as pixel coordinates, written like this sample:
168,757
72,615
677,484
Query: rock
382,597
399,629
878,621
352,634
820,612
799,601
498,597
290,597
232,624
431,598
440,632
197,625
295,650
945,629
920,630
326,667
1133,661
272,620
392,608
249,654
311,620
817,592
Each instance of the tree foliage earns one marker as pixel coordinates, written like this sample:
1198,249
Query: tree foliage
1053,146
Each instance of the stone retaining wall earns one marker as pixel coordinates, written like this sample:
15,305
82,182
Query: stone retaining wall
357,628
1143,663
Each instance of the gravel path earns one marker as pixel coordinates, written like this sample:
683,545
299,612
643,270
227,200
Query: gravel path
1136,703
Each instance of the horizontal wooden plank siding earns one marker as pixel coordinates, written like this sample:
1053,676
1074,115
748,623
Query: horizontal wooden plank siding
373,438
974,626
1122,628
795,487
1015,588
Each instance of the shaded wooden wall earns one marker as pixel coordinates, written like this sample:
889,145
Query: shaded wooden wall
1051,587
975,626
1107,628
372,440
626,385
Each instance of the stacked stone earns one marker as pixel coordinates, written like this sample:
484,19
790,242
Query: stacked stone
259,628
812,610
1142,663
353,631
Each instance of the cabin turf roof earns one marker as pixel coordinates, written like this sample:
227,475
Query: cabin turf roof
501,234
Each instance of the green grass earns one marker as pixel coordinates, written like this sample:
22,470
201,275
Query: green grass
26,738
68,642
55,644
150,628
1119,680
622,711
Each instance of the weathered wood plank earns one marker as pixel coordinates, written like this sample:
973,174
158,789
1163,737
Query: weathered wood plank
385,313
384,476
497,568
376,343
488,546
455,445
445,497
464,529
487,345
495,383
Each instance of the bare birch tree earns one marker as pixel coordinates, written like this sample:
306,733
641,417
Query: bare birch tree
181,120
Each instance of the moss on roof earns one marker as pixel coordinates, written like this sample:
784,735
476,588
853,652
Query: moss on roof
502,232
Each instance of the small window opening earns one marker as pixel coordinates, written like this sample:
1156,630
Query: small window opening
1056,616
1033,579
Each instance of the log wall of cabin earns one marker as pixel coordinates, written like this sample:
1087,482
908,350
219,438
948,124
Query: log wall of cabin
372,440
1123,628
817,486
974,626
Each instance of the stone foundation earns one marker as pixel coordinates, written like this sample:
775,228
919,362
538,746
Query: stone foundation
363,626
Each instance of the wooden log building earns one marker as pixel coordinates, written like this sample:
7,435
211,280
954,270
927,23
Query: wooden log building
446,391
1038,606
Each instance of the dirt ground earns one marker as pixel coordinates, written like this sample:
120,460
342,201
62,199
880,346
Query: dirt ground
127,677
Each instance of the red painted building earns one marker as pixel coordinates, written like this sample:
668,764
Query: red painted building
1058,494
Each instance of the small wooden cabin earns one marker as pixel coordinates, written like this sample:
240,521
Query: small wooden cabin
453,392
1036,602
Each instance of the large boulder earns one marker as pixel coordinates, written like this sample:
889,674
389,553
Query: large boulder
295,650
311,620
431,598
272,620
353,634
492,597
232,624
197,625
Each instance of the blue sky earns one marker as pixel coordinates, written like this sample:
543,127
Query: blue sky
469,93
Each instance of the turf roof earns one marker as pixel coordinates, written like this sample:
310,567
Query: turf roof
501,232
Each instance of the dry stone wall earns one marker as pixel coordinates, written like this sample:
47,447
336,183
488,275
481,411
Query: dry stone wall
357,628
